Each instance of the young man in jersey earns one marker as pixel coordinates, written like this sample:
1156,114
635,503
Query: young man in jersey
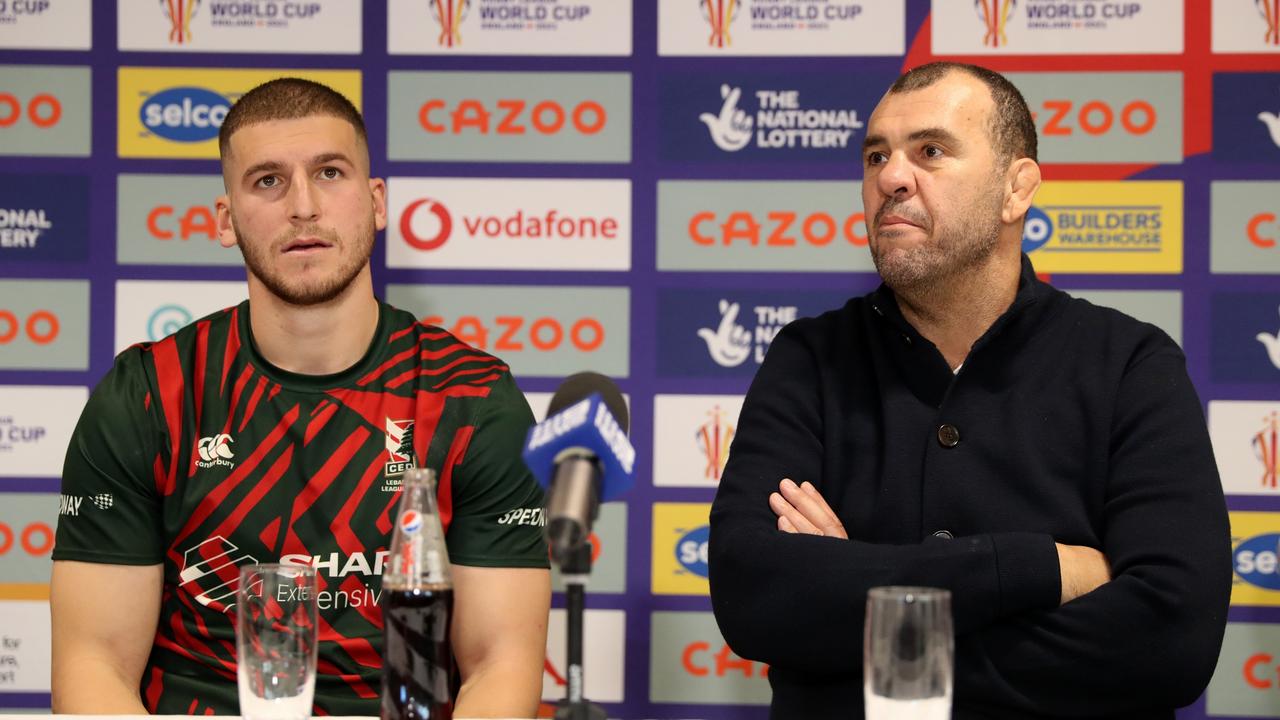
278,431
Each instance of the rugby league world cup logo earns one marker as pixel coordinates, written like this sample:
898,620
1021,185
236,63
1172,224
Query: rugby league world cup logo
180,13
449,14
720,14
995,15
1270,11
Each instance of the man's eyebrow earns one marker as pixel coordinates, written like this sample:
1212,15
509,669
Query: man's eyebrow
934,133
276,166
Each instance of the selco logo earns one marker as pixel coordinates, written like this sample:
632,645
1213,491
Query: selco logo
516,225
185,114
777,228
35,539
515,333
511,116
1095,117
40,327
42,110
195,220
1256,561
691,550
1263,230
698,660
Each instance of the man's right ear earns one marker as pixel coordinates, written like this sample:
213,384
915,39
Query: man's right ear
226,231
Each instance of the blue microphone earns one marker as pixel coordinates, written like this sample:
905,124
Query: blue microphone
582,456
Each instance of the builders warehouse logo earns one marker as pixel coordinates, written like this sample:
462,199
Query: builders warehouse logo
1106,227
177,112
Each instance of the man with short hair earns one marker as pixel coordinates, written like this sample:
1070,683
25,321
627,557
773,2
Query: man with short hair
279,431
969,427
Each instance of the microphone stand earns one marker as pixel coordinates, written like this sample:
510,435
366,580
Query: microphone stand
575,571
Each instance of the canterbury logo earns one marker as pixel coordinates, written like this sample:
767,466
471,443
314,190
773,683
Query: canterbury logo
214,450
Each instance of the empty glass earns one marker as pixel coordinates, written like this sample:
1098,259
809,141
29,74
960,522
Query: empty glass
907,654
276,641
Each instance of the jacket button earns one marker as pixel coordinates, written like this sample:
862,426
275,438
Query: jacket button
948,436
944,534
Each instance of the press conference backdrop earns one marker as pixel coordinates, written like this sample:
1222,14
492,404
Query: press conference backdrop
620,186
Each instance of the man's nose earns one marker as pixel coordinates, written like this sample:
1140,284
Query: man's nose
303,203
897,177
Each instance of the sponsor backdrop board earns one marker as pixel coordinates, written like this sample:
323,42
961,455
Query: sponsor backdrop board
651,189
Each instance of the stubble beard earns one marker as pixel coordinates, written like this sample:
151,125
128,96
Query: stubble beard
949,252
257,259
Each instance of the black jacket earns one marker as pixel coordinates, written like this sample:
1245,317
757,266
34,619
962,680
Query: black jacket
1075,423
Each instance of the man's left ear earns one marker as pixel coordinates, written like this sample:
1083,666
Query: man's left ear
378,188
1024,181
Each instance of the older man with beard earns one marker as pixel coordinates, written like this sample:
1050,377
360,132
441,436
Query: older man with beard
967,426
301,392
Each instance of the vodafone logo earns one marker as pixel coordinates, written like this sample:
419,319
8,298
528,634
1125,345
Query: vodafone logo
520,224
442,218
504,223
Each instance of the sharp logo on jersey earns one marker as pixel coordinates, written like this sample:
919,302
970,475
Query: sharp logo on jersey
211,573
215,450
399,448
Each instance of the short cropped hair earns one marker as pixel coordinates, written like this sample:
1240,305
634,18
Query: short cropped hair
288,98
1013,132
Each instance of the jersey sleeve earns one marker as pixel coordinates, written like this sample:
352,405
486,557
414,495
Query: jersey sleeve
110,509
498,507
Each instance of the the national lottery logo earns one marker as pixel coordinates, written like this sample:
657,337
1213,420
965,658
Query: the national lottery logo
180,13
730,343
399,450
995,17
713,438
779,120
22,227
449,15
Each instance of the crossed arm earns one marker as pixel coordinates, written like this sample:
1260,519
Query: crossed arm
802,509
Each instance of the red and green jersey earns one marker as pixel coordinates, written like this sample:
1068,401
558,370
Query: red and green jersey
196,453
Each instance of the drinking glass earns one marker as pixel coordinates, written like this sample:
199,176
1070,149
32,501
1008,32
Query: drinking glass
276,641
907,654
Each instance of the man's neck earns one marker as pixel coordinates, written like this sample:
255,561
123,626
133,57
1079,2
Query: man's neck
953,313
318,339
